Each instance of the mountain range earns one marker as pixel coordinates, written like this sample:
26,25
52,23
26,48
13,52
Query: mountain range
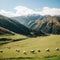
47,24
13,25
31,24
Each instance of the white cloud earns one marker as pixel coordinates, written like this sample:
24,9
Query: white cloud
50,11
6,13
21,10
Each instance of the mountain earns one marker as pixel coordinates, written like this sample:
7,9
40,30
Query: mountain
13,25
5,31
46,24
32,24
27,18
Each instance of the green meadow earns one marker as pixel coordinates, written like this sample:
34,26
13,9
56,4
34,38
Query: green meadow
24,43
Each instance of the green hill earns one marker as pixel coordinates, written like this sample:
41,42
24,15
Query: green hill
52,42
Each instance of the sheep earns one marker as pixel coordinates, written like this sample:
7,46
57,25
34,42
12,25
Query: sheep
9,47
17,50
32,51
48,50
1,51
24,52
38,50
57,49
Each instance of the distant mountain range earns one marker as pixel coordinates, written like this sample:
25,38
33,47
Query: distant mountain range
31,24
47,24
26,19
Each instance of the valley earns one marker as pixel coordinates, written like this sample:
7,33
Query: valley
37,38
29,29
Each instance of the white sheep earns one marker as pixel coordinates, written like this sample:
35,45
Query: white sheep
38,50
32,51
57,49
1,51
47,49
24,52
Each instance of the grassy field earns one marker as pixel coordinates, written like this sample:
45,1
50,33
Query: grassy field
11,38
27,44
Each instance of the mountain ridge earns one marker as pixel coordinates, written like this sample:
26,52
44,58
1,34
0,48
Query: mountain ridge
5,31
13,25
42,23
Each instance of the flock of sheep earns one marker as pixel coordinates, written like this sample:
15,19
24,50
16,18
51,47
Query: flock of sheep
31,51
38,50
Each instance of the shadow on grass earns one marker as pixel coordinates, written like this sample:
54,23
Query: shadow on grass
19,58
55,57
4,39
11,40
19,39
50,56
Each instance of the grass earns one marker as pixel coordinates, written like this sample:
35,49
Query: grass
34,58
41,43
11,38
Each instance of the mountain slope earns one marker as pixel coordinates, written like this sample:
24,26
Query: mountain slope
45,24
26,19
13,25
48,25
5,31
39,43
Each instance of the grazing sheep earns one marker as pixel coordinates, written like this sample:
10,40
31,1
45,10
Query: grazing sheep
48,50
24,52
1,51
32,51
9,47
17,50
57,49
38,50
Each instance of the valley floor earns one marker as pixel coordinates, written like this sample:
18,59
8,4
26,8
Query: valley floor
19,43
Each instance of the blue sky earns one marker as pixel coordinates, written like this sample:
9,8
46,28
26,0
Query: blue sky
25,7
33,4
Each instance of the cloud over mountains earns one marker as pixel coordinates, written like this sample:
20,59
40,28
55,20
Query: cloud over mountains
22,10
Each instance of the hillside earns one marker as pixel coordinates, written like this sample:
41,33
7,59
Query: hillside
49,25
19,45
42,43
26,19
41,25
13,25
5,31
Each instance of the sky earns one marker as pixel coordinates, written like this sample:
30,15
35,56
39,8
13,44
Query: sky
12,8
